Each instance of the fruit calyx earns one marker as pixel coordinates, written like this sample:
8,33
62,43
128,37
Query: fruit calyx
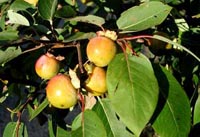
108,33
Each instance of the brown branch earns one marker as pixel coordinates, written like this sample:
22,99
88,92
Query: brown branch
20,113
80,58
82,100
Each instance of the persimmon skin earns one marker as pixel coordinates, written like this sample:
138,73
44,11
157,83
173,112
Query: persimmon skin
101,50
96,82
60,92
33,2
46,67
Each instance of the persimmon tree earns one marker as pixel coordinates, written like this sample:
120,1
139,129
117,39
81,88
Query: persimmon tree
130,67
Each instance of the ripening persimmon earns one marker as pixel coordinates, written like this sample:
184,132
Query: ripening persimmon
96,82
101,50
47,66
60,92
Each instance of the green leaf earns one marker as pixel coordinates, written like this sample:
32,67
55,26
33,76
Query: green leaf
62,133
47,8
92,19
66,12
8,35
17,18
9,54
18,5
114,127
133,90
2,1
11,130
50,127
196,118
173,115
2,22
79,36
41,107
93,126
142,17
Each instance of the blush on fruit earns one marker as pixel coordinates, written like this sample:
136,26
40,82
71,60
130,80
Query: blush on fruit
47,67
101,50
60,92
96,82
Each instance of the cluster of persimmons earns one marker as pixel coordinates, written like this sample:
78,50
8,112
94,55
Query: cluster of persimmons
60,90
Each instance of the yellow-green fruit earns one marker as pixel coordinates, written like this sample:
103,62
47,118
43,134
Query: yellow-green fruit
47,67
101,50
96,83
60,92
33,2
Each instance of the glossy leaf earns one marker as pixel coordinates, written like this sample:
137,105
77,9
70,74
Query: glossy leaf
62,132
142,17
20,5
8,35
41,107
173,111
114,127
50,127
17,18
133,90
66,12
47,8
93,126
79,36
9,54
196,118
92,19
11,130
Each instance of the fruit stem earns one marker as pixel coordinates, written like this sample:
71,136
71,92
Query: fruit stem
19,113
82,99
136,37
79,58
161,38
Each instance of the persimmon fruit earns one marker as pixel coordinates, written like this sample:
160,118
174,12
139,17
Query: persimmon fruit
101,50
60,92
96,82
33,2
47,66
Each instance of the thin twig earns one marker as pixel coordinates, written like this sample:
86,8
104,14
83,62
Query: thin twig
79,58
20,113
82,99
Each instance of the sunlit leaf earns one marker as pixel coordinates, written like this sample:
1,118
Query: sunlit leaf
92,19
8,35
173,111
40,108
79,36
196,118
142,17
9,54
114,127
93,126
17,18
12,128
133,90
47,8
62,132
20,5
